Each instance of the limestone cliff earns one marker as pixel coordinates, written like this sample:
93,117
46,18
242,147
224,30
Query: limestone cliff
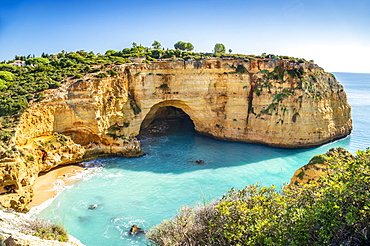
275,102
278,102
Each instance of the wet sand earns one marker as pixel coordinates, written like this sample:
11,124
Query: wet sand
43,188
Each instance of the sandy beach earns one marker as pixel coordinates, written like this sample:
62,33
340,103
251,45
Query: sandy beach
43,188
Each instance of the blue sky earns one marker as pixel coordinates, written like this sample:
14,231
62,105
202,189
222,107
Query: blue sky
333,33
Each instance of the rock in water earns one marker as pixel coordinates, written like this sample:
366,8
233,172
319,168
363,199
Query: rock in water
94,206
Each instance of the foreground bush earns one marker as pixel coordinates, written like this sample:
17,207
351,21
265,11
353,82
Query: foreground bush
48,230
334,210
19,225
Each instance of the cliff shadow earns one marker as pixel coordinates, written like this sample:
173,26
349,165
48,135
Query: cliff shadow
164,121
185,150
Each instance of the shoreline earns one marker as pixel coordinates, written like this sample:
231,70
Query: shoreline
45,185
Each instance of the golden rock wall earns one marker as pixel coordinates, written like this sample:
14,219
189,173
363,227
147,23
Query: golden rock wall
276,102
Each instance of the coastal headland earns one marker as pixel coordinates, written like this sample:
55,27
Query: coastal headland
278,102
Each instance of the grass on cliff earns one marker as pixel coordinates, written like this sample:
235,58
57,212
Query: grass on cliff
38,227
335,210
46,230
50,231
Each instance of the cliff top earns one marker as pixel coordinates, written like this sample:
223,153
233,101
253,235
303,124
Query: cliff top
25,80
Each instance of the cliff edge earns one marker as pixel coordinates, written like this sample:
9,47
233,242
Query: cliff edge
278,102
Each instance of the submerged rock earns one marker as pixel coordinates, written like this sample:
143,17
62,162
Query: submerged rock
94,206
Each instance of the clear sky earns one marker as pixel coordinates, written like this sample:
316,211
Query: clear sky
333,33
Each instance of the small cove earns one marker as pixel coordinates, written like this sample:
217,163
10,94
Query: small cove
146,190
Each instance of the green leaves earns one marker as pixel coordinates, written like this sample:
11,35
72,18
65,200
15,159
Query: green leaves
219,48
7,76
184,46
3,85
334,210
319,159
156,45
37,61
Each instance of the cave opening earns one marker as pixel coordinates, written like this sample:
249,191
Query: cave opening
164,121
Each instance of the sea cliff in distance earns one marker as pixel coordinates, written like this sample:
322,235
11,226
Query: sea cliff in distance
69,107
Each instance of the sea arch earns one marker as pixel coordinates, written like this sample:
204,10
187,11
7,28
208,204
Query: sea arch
177,106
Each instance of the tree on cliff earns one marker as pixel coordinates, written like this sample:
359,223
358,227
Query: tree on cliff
219,48
189,46
156,45
184,46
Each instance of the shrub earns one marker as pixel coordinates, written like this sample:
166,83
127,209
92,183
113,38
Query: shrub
5,75
111,72
79,76
38,61
101,75
3,85
335,210
319,159
7,67
163,86
48,230
189,227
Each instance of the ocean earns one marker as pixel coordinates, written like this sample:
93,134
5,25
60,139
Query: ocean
146,190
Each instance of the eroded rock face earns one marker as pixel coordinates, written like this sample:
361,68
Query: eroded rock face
318,166
309,173
276,102
16,230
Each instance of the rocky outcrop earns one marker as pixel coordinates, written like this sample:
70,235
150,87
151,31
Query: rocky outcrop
319,166
17,230
310,172
278,102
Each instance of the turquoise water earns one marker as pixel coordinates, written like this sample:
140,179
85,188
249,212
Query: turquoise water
146,190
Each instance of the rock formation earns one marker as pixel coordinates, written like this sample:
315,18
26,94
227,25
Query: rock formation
318,166
278,102
17,230
310,172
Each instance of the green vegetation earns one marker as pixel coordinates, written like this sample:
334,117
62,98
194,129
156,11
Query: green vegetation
6,76
34,226
54,232
21,85
156,45
219,48
163,86
335,210
48,230
319,159
55,141
184,46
